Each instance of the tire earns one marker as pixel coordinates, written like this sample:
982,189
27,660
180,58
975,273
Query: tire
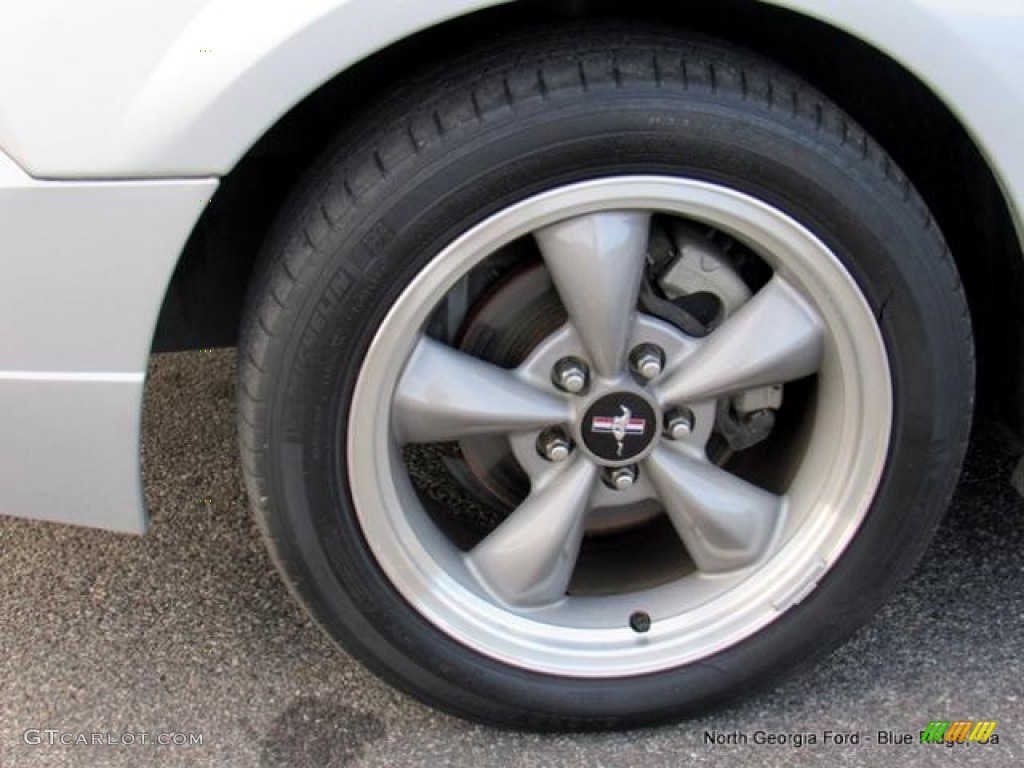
443,467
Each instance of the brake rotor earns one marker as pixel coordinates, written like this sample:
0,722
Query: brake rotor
503,327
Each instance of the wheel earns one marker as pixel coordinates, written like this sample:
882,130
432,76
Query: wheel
600,378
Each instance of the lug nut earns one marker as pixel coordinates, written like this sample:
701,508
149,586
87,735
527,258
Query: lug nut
554,446
620,478
570,375
679,424
647,360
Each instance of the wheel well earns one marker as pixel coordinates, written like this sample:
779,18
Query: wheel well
203,304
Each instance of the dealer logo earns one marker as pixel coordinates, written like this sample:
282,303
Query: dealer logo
950,732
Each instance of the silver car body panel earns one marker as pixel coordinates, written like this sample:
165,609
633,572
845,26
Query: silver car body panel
84,269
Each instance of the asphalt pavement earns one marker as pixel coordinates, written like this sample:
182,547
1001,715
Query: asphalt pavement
188,633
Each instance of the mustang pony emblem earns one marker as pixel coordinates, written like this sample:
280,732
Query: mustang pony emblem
620,426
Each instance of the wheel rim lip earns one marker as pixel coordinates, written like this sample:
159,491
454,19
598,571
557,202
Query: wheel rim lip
577,638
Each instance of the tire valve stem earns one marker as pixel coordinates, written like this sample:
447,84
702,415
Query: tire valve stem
640,622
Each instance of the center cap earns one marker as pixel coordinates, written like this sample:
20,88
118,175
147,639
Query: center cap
619,428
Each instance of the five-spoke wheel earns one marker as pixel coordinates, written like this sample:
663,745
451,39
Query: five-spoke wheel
612,411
